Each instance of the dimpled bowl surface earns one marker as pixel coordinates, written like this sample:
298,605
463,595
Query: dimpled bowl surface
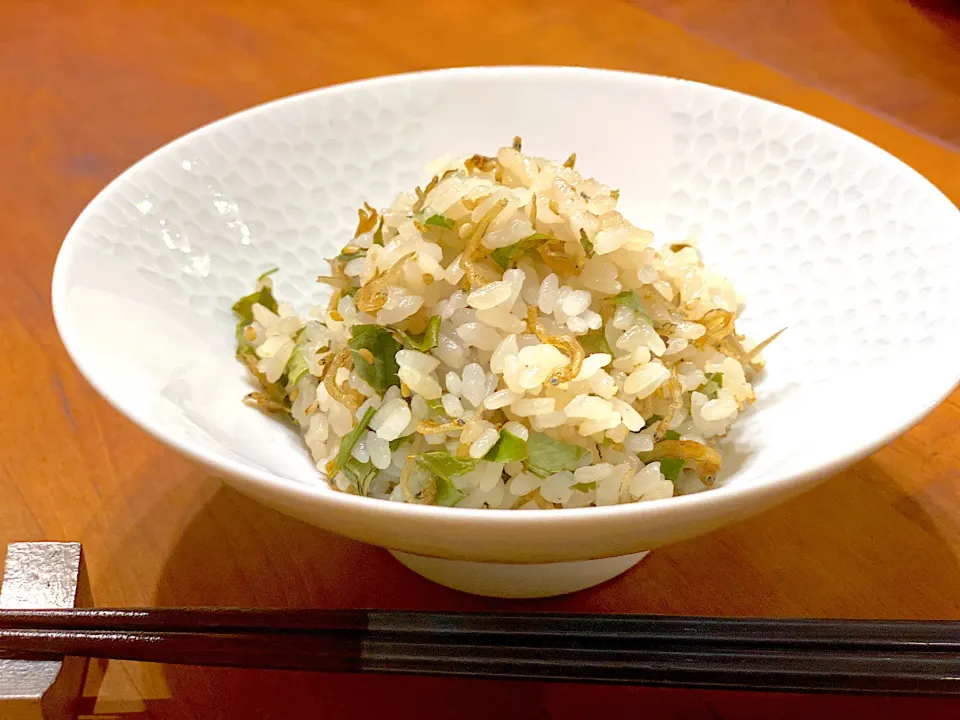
820,231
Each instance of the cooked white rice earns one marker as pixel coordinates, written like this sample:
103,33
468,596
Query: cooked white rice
507,339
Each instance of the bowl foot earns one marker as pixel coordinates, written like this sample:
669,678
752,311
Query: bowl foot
518,581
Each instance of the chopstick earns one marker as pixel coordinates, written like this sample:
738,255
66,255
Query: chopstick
895,657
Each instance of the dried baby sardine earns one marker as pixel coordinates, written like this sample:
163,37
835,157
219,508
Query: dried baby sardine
475,250
373,295
349,398
703,458
567,344
367,220
480,163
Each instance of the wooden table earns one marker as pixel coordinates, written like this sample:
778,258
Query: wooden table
88,88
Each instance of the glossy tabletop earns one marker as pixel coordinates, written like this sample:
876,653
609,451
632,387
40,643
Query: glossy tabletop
89,88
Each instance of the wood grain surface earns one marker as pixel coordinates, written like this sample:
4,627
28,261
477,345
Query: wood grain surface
90,87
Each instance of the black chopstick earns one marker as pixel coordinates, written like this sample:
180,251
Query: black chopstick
736,653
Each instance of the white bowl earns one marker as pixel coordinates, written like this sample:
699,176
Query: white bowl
819,230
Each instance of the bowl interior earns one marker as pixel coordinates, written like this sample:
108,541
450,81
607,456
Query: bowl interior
821,232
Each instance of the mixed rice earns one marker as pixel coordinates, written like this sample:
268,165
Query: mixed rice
504,338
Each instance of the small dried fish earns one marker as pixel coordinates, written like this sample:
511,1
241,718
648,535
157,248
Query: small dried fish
429,492
373,296
704,459
562,258
672,390
265,402
480,163
368,219
567,344
274,392
475,250
349,398
719,325
431,427
422,194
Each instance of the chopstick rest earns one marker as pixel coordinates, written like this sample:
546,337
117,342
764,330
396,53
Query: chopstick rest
41,575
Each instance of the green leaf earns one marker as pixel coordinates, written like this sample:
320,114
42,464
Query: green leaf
348,441
671,435
507,256
243,308
584,487
382,372
585,241
394,444
548,456
509,448
360,474
439,221
447,493
348,258
630,299
595,341
297,365
716,377
426,340
378,234
671,467
651,420
443,466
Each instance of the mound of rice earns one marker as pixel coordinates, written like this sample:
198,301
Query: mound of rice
504,338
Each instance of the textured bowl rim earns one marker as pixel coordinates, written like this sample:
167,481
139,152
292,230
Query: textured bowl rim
718,499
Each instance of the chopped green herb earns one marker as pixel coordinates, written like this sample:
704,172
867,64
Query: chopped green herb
394,444
671,435
509,448
630,299
585,241
716,377
297,365
506,257
436,412
671,467
378,234
443,466
426,340
595,341
584,487
348,441
347,258
439,221
548,456
243,308
382,372
651,420
360,474
447,493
